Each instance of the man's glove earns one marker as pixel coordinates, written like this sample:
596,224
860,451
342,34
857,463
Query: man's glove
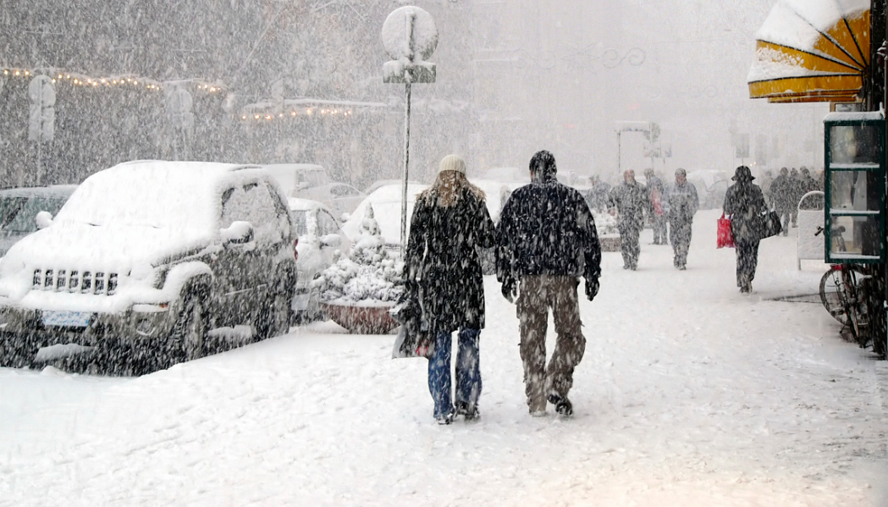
591,288
510,289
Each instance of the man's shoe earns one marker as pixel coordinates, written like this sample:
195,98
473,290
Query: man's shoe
563,406
444,419
470,413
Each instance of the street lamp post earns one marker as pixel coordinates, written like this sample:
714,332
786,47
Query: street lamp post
409,36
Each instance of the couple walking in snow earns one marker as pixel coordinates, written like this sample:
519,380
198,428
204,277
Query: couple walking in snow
545,240
675,205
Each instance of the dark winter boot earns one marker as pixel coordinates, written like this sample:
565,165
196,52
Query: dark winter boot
563,406
444,419
463,409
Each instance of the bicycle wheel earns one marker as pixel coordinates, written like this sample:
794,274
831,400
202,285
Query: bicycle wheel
832,295
856,286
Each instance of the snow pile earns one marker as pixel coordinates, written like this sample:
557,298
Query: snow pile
605,224
370,273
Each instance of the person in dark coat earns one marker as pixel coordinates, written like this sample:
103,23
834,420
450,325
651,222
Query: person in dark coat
744,203
656,206
796,191
682,205
781,198
808,183
450,223
547,240
596,196
629,201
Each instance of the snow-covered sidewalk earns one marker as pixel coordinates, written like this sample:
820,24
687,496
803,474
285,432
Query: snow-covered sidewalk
689,394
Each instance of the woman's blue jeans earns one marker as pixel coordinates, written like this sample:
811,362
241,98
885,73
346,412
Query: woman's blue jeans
468,371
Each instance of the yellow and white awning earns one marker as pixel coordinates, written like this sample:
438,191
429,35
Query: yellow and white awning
812,51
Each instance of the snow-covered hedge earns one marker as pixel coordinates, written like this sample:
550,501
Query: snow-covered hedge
605,223
369,275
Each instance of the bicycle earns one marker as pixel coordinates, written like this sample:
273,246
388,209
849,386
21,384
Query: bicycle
844,293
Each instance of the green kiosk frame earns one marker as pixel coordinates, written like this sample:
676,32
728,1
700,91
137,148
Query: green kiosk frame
854,185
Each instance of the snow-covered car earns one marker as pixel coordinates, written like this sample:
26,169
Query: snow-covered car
340,198
386,204
380,183
19,208
311,181
295,177
320,242
151,254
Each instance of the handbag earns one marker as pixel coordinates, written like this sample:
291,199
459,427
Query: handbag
770,224
414,338
724,235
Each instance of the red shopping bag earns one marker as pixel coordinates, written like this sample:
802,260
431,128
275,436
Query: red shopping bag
656,202
724,235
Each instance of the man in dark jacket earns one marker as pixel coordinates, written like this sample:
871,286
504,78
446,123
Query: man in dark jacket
547,240
630,202
682,205
745,203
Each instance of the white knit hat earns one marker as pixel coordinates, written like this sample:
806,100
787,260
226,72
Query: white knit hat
452,163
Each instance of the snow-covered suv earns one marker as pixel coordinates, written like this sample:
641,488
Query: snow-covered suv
148,255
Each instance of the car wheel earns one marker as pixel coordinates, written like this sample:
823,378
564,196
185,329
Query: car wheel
274,316
189,331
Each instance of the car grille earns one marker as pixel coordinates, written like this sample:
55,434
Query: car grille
74,281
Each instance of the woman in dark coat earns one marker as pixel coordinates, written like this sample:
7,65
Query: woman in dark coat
450,223
744,202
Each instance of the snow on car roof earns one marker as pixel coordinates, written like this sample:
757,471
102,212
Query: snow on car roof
386,202
152,193
54,190
299,204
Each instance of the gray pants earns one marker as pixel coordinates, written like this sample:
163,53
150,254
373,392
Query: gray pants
680,236
629,246
659,225
537,295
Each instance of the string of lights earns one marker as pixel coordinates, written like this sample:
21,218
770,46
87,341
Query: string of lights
79,79
296,113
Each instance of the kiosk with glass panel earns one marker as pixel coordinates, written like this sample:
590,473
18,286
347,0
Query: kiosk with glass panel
854,183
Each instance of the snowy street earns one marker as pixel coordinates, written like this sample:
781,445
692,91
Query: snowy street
689,394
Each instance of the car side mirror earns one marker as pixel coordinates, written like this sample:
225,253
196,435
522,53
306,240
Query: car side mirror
43,219
238,233
334,240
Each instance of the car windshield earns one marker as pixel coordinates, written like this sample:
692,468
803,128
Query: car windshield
19,213
300,222
9,208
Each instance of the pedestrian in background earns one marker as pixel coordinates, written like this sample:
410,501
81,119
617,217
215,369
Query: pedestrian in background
547,240
683,204
781,198
744,203
656,196
450,223
796,191
596,195
628,202
808,183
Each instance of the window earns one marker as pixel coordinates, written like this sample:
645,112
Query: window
253,203
326,224
343,191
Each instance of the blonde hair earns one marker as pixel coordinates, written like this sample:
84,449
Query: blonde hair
447,189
